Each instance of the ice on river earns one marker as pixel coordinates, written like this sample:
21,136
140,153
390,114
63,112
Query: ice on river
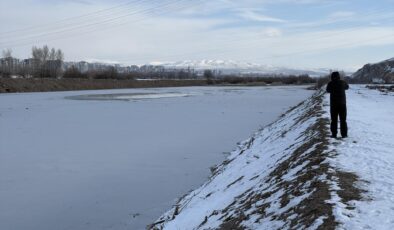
117,159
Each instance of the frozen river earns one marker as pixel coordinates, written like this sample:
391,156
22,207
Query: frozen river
117,159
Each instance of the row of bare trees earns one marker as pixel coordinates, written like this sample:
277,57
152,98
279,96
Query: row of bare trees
45,54
45,62
111,73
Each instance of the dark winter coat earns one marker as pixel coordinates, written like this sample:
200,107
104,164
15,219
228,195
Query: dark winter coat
336,88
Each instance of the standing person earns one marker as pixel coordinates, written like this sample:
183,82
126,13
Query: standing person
336,87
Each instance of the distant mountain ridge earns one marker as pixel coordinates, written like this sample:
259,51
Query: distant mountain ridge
381,72
224,66
236,67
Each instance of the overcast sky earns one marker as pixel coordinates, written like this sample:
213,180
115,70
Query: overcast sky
339,34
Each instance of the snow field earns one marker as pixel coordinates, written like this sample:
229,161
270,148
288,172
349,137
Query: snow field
369,153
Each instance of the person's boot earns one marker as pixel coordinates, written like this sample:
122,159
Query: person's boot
333,136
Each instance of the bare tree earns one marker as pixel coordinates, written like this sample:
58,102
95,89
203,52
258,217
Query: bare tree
209,75
47,62
7,53
45,53
59,55
52,54
37,53
7,66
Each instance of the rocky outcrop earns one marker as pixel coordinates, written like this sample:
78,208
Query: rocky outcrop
382,72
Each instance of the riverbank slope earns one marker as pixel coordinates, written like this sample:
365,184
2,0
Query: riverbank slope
291,175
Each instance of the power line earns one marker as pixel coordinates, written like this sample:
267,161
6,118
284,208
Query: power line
145,13
230,43
57,23
75,26
97,23
345,45
312,39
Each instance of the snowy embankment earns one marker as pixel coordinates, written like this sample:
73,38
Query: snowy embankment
369,152
291,175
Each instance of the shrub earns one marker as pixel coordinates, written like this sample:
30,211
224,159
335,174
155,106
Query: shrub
73,72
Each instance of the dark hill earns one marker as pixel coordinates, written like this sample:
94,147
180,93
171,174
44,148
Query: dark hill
381,72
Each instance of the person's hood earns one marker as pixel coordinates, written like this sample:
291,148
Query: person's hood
335,78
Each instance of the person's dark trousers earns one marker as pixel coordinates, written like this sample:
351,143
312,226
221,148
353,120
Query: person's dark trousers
338,110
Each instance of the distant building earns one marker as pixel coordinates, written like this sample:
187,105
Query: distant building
9,64
83,66
133,68
28,63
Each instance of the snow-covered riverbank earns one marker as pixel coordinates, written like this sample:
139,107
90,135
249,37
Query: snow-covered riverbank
291,175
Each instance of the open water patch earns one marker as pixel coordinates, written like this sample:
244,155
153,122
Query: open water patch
126,96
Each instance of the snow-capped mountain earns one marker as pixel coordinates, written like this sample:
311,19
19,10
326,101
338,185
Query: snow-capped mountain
204,64
230,66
